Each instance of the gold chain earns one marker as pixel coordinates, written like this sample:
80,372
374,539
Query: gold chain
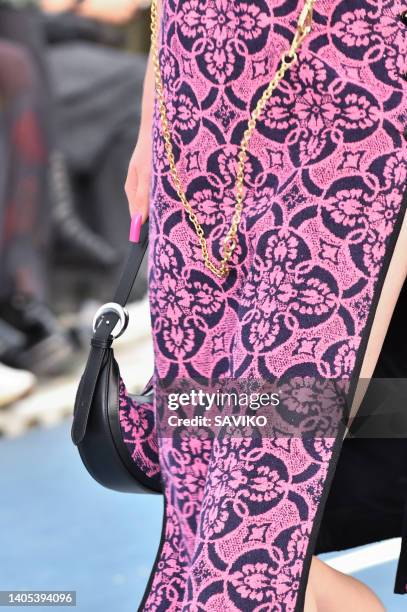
288,59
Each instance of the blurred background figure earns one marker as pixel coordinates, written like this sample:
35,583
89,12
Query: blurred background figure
70,105
70,88
29,335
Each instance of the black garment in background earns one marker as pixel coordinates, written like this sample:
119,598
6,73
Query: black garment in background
97,91
367,501
98,108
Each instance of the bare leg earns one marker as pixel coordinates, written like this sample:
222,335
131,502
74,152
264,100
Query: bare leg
329,590
333,591
310,601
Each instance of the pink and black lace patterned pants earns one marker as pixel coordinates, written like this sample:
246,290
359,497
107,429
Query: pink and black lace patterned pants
324,201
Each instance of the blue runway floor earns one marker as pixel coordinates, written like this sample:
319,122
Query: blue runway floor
60,530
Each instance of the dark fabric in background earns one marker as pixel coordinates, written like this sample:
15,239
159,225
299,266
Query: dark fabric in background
90,95
367,501
98,107
97,92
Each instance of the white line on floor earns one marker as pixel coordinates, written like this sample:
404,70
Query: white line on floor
365,557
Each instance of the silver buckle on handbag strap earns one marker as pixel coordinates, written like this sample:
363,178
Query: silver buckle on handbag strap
122,313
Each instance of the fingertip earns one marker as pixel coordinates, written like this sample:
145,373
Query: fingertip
135,227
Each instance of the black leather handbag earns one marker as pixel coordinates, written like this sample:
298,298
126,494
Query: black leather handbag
101,399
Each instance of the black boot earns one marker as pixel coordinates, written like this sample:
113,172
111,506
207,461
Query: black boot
10,339
46,349
73,236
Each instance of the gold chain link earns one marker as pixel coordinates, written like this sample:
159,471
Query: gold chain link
288,59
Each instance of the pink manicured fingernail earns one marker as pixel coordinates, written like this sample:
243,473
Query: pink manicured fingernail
135,228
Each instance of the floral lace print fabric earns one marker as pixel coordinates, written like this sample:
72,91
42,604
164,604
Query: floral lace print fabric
324,198
137,422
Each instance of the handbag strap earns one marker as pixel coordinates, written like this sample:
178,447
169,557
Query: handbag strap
106,320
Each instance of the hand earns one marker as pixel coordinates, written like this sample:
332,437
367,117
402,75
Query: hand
138,178
115,12
139,175
57,6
